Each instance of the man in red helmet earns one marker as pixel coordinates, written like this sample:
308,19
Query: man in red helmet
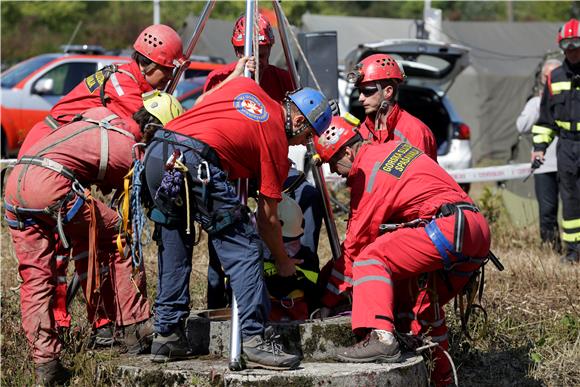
560,115
151,68
429,225
377,78
50,189
119,89
274,80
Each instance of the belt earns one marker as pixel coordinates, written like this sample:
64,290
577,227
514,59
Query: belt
52,122
48,164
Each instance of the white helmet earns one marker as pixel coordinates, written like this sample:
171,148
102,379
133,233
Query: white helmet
291,217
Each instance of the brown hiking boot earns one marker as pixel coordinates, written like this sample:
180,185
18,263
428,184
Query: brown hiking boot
266,352
371,349
138,337
51,373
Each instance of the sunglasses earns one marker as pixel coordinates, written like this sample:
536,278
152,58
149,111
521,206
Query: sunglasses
570,44
368,91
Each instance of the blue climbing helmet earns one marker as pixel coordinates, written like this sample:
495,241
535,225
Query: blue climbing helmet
314,105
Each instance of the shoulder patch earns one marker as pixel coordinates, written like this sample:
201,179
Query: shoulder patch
399,159
93,82
250,106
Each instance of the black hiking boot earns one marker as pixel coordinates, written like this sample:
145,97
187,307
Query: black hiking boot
267,352
371,349
51,373
173,346
104,336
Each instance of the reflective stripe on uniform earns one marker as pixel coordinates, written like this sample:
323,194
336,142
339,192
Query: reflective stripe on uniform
573,223
541,138
558,87
61,279
116,85
373,176
333,289
378,278
537,129
571,230
61,257
338,275
371,262
563,124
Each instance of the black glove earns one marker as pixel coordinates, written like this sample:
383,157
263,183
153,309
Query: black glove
537,163
334,107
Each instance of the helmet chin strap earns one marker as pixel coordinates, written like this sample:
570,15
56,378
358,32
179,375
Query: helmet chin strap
290,132
383,107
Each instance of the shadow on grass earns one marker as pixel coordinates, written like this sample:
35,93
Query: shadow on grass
495,368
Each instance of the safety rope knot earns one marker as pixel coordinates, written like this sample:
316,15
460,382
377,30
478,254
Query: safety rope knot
170,183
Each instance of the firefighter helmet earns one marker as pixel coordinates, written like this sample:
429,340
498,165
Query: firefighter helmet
265,32
162,106
335,137
569,35
291,217
161,44
314,105
374,68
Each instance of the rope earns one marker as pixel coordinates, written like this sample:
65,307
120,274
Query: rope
302,55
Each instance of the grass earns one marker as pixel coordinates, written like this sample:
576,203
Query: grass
532,337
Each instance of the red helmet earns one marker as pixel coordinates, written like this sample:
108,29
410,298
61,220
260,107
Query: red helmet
338,133
161,44
265,33
569,36
376,67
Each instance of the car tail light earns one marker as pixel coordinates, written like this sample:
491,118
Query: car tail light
462,132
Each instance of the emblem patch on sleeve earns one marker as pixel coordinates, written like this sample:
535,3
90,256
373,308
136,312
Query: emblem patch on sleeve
399,159
250,106
93,82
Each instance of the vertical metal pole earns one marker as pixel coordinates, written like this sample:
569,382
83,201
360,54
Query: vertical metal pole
156,12
235,332
317,168
192,43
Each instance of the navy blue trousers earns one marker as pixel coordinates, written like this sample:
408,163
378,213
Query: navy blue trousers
238,245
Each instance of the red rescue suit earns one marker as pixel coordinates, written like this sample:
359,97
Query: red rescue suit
401,126
35,195
122,92
274,80
123,96
396,183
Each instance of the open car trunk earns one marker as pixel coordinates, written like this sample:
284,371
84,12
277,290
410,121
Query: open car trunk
423,103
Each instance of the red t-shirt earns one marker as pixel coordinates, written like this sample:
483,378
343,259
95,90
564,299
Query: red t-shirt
246,129
274,80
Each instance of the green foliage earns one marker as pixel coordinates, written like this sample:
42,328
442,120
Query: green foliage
32,27
491,205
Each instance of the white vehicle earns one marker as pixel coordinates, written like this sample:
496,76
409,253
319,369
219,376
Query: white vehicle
430,68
